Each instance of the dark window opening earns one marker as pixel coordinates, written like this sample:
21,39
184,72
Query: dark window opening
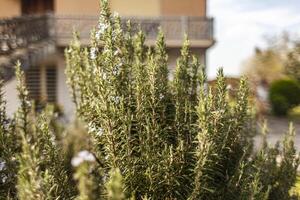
30,7
51,84
33,83
42,90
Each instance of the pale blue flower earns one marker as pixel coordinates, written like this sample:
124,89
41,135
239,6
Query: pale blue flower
82,156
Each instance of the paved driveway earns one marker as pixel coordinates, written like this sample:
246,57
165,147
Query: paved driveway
277,127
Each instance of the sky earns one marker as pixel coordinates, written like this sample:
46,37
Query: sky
242,25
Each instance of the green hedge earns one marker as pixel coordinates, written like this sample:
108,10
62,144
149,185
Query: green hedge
284,95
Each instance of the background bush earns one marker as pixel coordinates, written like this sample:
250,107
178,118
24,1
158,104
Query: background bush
284,95
138,134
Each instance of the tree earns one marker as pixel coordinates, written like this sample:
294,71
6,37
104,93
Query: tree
264,66
292,63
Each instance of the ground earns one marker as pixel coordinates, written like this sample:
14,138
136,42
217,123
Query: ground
277,127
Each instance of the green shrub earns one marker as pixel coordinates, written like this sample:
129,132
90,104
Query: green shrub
145,136
284,95
294,113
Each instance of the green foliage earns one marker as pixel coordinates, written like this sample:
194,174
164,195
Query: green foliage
138,134
265,65
296,189
294,113
278,166
40,172
86,183
292,63
284,95
115,190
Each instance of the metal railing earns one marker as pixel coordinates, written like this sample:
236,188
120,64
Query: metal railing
197,28
22,31
31,38
26,30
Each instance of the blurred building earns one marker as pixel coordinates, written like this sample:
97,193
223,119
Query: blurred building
37,31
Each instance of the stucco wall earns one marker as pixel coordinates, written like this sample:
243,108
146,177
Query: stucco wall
11,97
123,7
63,93
136,7
77,7
183,7
10,8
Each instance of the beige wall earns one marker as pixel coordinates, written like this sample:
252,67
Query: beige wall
123,7
64,99
77,7
183,7
159,7
136,7
11,96
10,8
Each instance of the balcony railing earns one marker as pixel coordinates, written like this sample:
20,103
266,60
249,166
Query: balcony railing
32,38
199,29
23,31
19,32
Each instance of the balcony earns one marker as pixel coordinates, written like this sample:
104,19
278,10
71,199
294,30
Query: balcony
199,29
32,38
26,38
22,32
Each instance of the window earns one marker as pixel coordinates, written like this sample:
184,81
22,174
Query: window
41,84
37,6
33,83
51,84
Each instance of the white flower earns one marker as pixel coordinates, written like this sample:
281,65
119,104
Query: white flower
93,53
229,87
99,132
104,178
2,165
104,76
102,28
53,140
115,71
161,96
116,14
98,34
91,127
82,156
278,159
116,52
4,178
116,99
87,156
